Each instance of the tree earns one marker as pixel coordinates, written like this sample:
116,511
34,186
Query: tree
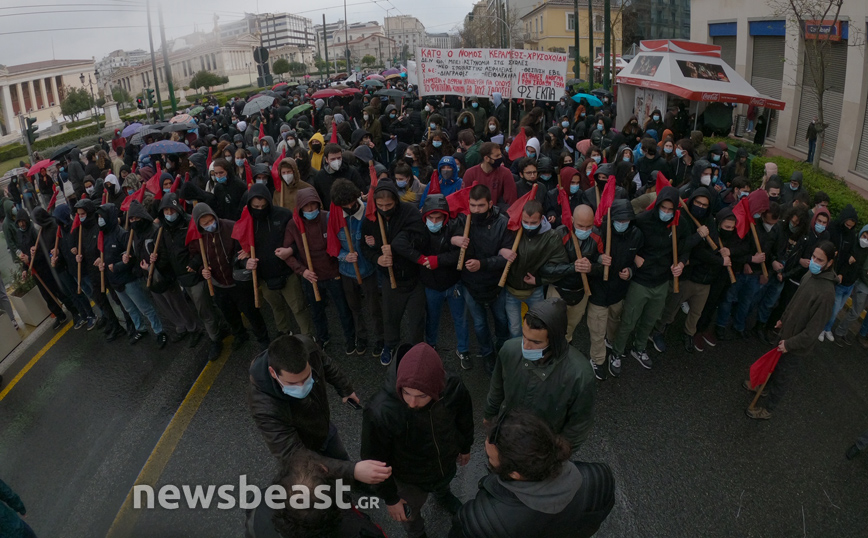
297,68
319,63
368,60
121,96
281,66
207,80
76,101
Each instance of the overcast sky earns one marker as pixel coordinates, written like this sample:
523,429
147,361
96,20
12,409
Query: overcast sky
31,32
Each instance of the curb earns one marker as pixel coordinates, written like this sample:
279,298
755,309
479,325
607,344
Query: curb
12,363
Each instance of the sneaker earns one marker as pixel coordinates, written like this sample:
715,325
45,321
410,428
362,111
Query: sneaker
685,307
377,349
450,502
361,347
91,324
464,360
79,323
688,343
350,348
608,344
239,340
844,340
107,327
386,356
58,322
766,336
709,338
195,338
822,336
615,364
599,371
136,337
852,452
215,349
698,343
829,336
642,357
746,385
758,413
162,340
659,341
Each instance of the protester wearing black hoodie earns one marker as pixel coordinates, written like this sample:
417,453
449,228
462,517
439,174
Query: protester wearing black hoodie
860,295
842,233
792,189
227,195
420,423
651,280
75,172
404,235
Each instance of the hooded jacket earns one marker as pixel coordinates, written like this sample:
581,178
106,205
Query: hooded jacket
569,283
808,312
325,178
559,388
115,243
793,269
845,241
10,229
316,156
89,234
48,226
173,256
25,238
706,264
787,193
625,246
316,230
269,227
657,245
290,424
488,234
453,184
437,247
404,232
861,255
286,198
421,445
373,126
75,171
220,248
536,250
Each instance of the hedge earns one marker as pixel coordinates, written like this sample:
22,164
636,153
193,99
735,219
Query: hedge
18,150
753,149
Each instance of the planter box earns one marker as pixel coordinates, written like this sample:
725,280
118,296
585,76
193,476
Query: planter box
9,337
31,307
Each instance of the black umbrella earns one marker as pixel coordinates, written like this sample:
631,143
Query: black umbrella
600,92
572,81
62,151
178,127
391,92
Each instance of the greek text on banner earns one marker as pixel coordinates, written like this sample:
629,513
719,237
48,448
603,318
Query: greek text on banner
516,73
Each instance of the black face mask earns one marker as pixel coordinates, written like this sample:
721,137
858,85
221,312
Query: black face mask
408,160
258,213
497,162
388,214
726,234
774,198
699,212
140,225
353,209
315,148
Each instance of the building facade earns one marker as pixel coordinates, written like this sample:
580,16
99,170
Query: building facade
282,29
118,59
661,19
325,35
376,45
768,51
36,89
443,40
407,31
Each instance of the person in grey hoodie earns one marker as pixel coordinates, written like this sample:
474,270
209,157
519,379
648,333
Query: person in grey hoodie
75,172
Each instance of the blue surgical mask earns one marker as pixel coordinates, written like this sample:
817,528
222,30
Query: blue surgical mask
715,158
599,127
665,217
528,227
656,117
565,124
221,179
545,177
310,215
627,159
392,116
582,115
401,184
432,125
814,267
583,234
757,215
667,150
433,227
474,105
597,159
239,162
211,228
531,354
530,154
742,194
100,221
130,191
167,190
574,189
266,149
171,217
621,227
436,143
794,186
299,391
819,228
679,152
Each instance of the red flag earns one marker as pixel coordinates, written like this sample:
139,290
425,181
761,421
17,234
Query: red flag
743,218
765,365
591,180
566,212
248,173
434,184
192,232
76,222
661,182
100,243
59,234
371,208
133,168
261,130
334,138
517,207
459,202
275,171
243,230
176,184
299,221
336,223
155,185
208,160
138,196
606,200
517,147
53,201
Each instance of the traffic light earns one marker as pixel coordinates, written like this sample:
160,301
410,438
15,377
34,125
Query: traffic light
30,130
140,103
149,95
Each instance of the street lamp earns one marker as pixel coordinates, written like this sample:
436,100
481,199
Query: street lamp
92,97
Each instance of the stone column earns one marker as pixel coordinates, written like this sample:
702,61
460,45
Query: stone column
22,106
43,93
32,95
54,91
8,111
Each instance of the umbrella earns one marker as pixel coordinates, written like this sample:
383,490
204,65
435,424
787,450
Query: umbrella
298,110
372,84
600,92
178,127
573,81
325,94
375,77
196,110
41,165
62,150
268,93
393,76
592,99
278,85
165,147
181,118
391,92
257,104
131,129
391,71
350,91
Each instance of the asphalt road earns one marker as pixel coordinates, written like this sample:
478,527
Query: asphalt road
82,424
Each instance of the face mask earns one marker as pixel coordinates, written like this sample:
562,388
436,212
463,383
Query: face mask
568,163
446,174
287,178
260,181
211,228
768,227
474,105
171,217
316,147
794,186
290,142
667,151
401,184
699,212
299,392
621,227
80,217
335,165
792,227
213,142
529,228
221,179
234,122
310,215
582,115
531,354
705,180
465,120
819,228
627,159
656,117
433,227
545,177
863,242
130,191
169,166
574,189
492,128
167,190
266,149
665,217
432,125
497,162
597,159
239,162
388,213
436,143
565,124
531,155
774,198
599,127
814,267
679,152
742,194
757,215
506,149
393,116
90,190
365,116
715,158
62,168
100,221
583,234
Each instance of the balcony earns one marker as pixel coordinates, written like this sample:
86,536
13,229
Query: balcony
531,37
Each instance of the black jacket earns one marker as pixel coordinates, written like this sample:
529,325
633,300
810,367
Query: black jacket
845,241
625,246
420,445
705,263
323,180
439,246
657,245
488,234
173,246
268,232
569,283
115,244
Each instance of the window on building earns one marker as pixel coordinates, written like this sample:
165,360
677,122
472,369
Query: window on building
540,24
537,25
598,23
571,21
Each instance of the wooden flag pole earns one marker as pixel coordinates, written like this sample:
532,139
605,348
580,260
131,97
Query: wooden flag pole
708,238
255,278
515,244
39,278
675,256
130,242
316,294
156,247
205,264
392,280
33,256
759,391
608,240
759,247
352,251
463,252
597,191
78,252
56,243
102,272
578,248
729,269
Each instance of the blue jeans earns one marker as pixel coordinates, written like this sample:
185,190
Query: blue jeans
842,293
317,308
513,309
69,287
812,145
434,301
480,321
742,292
137,303
767,297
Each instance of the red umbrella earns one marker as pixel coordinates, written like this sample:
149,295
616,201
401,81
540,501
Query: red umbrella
278,85
41,165
375,77
325,94
350,91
